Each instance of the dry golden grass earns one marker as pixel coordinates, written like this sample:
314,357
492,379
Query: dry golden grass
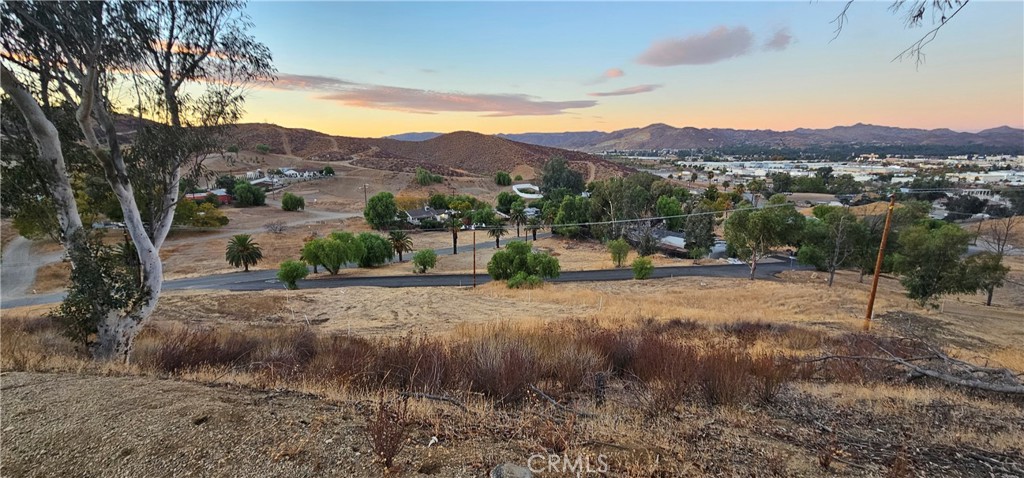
52,277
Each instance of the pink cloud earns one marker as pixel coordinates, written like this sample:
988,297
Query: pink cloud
779,41
423,101
632,90
614,73
719,44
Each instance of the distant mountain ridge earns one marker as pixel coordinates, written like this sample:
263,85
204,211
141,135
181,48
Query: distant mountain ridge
662,136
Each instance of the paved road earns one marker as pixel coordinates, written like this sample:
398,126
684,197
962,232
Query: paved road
19,266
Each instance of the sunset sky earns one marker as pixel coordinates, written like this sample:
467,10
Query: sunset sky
374,69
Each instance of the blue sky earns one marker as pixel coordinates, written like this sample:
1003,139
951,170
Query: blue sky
385,68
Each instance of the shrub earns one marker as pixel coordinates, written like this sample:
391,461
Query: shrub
642,268
247,195
207,215
770,373
388,430
519,257
426,178
502,179
524,281
699,252
619,249
327,171
275,227
519,177
290,272
189,349
377,250
423,260
724,376
292,202
262,148
500,367
233,148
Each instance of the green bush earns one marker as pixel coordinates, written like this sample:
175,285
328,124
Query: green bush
426,178
502,179
519,257
699,252
423,260
247,195
262,148
327,171
522,280
519,177
292,202
381,210
290,272
642,268
233,148
377,250
620,251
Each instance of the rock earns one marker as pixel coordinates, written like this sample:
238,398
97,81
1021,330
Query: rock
508,470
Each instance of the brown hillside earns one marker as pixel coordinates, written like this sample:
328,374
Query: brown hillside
454,154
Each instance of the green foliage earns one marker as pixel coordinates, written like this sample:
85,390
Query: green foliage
207,215
519,257
519,177
832,239
497,231
502,179
699,252
233,148
400,242
381,210
293,202
572,211
556,174
642,268
754,233
619,249
985,271
377,250
226,183
247,195
327,171
243,252
439,202
426,178
700,228
505,200
290,272
104,278
523,280
338,249
964,206
262,148
929,261
670,206
423,260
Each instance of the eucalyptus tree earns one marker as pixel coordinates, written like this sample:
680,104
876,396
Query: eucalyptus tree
185,67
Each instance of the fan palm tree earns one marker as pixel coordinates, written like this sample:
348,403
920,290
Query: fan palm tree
517,215
400,242
243,252
496,232
532,225
454,224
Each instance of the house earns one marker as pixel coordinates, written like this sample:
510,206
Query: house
222,196
416,216
671,242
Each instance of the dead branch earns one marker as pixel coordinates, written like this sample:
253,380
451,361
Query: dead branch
438,398
559,405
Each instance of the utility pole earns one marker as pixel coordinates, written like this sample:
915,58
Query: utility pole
474,257
878,262
365,186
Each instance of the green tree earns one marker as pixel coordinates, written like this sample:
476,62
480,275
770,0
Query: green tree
757,187
831,239
327,171
227,183
292,202
556,175
242,251
497,231
312,253
262,148
572,211
377,250
502,179
290,272
518,257
619,249
247,195
533,225
454,224
642,268
400,242
700,228
929,260
505,200
207,215
334,251
754,233
517,214
426,178
381,210
670,206
423,260
985,271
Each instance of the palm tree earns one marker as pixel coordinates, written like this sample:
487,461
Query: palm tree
400,242
518,216
243,252
453,224
496,232
532,225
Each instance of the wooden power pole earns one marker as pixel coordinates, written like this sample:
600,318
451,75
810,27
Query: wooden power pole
878,262
474,257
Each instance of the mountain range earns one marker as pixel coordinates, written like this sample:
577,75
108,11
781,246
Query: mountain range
659,136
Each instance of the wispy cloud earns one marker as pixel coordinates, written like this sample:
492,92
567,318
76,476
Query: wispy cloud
779,41
614,73
424,101
719,44
632,90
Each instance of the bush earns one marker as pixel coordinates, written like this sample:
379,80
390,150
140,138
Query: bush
233,148
247,195
381,210
620,251
423,260
642,268
209,216
292,202
770,373
327,171
501,367
724,376
262,148
518,257
290,272
699,252
519,177
522,280
388,430
502,179
377,250
426,178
